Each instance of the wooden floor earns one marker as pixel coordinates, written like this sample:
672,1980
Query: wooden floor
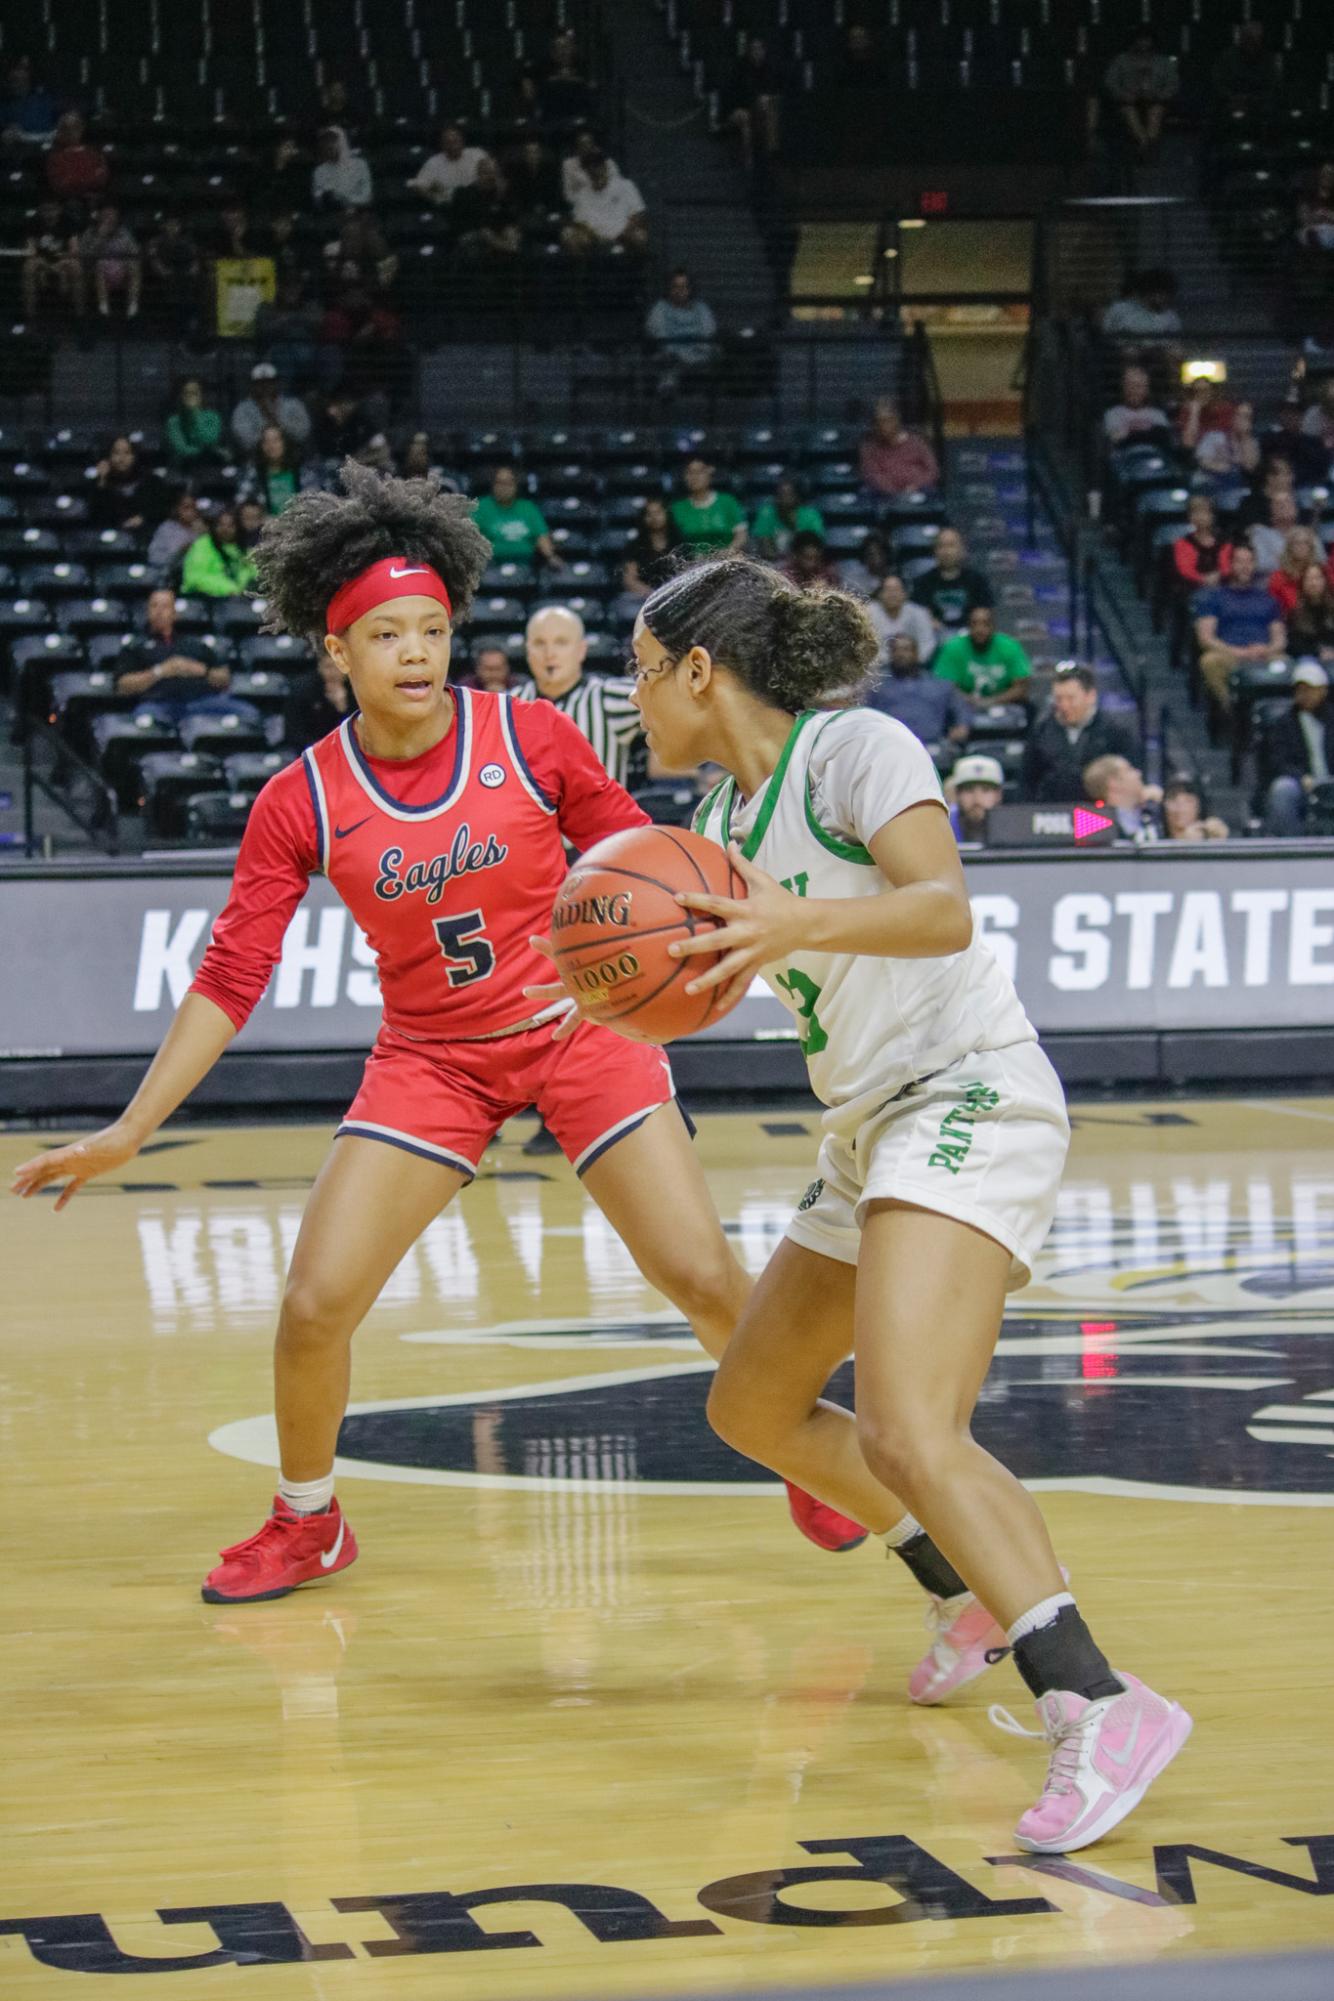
584,1666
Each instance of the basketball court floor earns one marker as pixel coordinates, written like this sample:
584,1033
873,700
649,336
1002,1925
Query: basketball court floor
588,1718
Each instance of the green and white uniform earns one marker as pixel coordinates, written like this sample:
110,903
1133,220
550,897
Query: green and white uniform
936,1090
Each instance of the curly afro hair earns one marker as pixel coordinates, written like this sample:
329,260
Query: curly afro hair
321,541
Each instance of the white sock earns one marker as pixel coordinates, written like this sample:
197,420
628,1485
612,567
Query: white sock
901,1532
307,1497
1043,1614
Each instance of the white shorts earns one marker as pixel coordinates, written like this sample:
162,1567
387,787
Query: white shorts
983,1141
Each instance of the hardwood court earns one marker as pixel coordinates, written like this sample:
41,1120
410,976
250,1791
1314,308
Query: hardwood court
587,1718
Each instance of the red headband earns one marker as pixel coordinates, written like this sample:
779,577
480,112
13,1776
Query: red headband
392,577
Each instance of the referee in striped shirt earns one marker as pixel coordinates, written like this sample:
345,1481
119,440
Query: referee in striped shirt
598,707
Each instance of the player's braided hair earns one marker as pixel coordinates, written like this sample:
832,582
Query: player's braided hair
795,649
321,541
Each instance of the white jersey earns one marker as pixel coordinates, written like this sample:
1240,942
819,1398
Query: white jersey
868,1026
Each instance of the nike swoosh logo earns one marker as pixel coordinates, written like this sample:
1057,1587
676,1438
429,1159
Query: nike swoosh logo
341,833
1124,1757
329,1557
419,571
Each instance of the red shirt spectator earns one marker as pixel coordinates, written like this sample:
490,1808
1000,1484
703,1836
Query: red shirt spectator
74,171
894,460
1299,552
1200,557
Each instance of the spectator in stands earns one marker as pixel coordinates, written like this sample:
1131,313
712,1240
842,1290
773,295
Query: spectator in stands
1305,455
453,167
682,331
892,459
1075,730
535,187
493,670
172,537
1230,450
485,215
584,146
49,270
779,519
1310,623
287,329
1315,211
1269,539
1118,785
808,563
279,241
975,785
863,74
1300,550
986,666
216,566
336,105
515,527
1275,478
27,112
75,171
864,573
125,494
109,254
317,704
597,705
274,476
932,709
1246,76
951,589
250,519
1136,418
363,339
1201,556
1141,83
193,430
341,178
648,559
894,615
342,428
1297,753
564,93
232,236
360,254
170,682
1318,423
267,404
418,460
174,268
752,100
705,518
1184,816
608,214
288,182
1146,309
1236,622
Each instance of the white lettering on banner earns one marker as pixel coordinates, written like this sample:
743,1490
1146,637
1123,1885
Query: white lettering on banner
324,958
1259,907
1308,937
1200,951
1085,956
363,989
1143,908
164,958
173,1271
997,918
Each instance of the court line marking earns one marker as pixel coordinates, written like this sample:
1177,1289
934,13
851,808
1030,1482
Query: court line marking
1286,1111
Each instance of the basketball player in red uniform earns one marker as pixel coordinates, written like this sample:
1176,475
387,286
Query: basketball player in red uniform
439,815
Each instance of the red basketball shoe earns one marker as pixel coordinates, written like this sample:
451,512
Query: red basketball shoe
290,1549
821,1524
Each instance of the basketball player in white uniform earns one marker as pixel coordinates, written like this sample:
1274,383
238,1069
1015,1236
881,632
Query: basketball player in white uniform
945,1137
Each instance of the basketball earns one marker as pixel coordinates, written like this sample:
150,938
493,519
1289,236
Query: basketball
614,919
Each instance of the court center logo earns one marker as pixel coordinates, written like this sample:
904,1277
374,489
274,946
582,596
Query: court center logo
1192,1406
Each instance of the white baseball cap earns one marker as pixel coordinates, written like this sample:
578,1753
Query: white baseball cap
1309,674
977,771
263,371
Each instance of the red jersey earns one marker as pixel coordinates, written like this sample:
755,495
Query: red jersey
449,862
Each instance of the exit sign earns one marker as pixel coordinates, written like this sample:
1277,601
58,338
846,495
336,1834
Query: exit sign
936,201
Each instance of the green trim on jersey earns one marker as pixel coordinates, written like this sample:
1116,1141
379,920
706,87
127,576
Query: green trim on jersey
750,846
705,807
847,851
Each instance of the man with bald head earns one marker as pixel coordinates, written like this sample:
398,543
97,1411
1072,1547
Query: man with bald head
598,706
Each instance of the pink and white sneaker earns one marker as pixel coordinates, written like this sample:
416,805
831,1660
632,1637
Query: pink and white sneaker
1105,1756
963,1634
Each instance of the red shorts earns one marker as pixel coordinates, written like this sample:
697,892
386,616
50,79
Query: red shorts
448,1100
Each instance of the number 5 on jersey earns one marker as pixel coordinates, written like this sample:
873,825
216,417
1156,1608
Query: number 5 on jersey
468,955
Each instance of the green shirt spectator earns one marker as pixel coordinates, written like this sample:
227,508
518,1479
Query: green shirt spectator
515,528
193,431
786,515
216,566
984,664
707,519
